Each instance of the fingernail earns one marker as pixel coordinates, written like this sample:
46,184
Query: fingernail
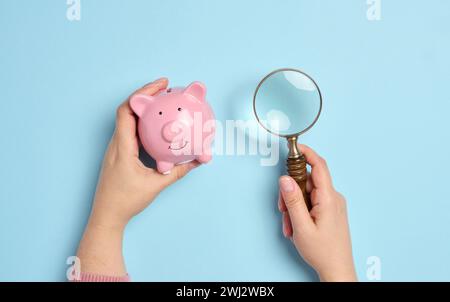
159,81
284,232
286,184
283,227
156,82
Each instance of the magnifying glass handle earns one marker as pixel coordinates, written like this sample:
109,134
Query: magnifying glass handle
296,167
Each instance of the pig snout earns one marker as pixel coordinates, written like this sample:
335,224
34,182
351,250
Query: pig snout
174,131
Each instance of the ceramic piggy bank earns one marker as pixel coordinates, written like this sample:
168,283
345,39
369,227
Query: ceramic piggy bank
175,126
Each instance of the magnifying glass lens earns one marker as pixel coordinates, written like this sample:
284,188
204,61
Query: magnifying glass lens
287,102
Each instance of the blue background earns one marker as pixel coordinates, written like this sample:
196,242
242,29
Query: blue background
384,131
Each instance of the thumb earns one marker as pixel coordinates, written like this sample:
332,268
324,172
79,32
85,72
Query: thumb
295,204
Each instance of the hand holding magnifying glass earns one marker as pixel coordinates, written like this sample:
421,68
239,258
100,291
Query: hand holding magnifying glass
288,102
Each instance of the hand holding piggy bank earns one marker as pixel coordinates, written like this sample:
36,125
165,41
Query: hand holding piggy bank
175,126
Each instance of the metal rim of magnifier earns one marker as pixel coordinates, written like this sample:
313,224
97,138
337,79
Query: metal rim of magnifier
268,76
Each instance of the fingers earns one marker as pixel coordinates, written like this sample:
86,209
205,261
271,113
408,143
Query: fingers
309,184
177,172
281,205
285,220
287,226
153,87
125,132
320,174
125,120
295,204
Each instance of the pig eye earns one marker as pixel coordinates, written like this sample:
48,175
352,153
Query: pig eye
160,113
179,109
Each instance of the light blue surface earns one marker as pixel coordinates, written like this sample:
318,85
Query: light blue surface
384,131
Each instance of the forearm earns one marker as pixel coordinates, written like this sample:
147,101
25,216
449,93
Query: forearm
348,275
100,250
339,266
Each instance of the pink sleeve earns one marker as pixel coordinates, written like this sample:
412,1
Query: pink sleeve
89,277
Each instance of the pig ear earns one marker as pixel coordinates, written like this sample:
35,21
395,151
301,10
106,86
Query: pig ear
197,90
139,102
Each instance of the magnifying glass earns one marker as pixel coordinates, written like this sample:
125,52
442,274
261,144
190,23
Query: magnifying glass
287,103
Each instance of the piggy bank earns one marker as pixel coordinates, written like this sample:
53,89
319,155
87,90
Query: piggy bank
175,126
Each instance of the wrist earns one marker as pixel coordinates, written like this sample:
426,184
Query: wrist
101,227
338,275
106,215
100,249
105,221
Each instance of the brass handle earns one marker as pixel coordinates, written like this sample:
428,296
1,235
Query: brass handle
296,167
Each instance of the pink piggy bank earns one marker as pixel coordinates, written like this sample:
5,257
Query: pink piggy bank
175,126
